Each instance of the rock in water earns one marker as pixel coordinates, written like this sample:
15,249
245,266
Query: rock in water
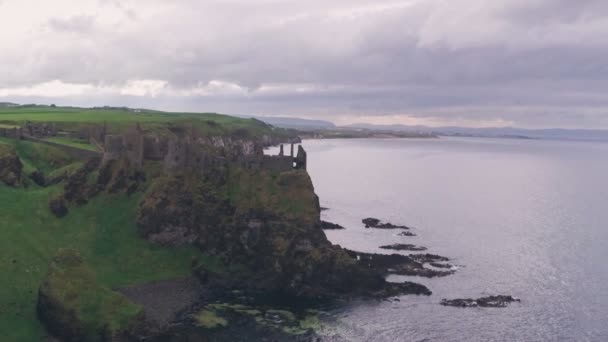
500,301
399,264
404,247
371,222
330,226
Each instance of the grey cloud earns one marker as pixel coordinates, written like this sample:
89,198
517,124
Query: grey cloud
533,62
76,24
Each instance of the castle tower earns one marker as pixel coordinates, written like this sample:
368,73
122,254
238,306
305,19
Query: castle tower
301,159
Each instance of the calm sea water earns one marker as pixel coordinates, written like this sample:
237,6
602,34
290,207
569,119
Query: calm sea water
527,218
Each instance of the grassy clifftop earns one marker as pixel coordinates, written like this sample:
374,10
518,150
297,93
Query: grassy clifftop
119,119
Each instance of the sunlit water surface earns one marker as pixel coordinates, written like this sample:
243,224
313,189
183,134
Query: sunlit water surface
527,218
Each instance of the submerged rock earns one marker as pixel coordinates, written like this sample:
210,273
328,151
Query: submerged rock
404,247
371,222
330,226
500,301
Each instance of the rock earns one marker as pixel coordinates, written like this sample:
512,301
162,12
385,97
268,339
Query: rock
404,247
324,209
58,207
330,226
396,264
500,301
438,265
428,258
408,234
10,166
371,222
38,178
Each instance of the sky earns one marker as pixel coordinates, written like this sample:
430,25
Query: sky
477,63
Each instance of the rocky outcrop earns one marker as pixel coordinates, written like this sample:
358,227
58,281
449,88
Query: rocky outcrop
10,166
58,207
404,247
500,301
74,307
399,264
330,226
93,177
371,222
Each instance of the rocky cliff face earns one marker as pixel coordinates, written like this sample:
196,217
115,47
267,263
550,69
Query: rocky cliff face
268,223
10,166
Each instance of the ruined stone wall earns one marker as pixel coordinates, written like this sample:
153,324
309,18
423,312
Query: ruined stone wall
113,148
301,159
277,163
134,145
13,133
40,130
155,148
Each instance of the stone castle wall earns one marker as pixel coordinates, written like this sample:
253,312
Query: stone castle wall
277,163
13,133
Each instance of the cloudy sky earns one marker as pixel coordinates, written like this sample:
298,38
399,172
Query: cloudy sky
524,63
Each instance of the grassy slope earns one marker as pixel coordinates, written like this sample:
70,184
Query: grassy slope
83,145
102,231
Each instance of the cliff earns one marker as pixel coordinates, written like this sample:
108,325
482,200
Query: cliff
211,205
266,222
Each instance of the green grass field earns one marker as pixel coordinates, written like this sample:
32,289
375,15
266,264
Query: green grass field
119,119
102,231
83,145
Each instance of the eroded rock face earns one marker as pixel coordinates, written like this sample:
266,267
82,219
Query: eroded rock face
10,166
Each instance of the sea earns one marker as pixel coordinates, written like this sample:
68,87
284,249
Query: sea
520,217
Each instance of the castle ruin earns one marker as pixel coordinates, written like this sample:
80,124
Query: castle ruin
184,148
